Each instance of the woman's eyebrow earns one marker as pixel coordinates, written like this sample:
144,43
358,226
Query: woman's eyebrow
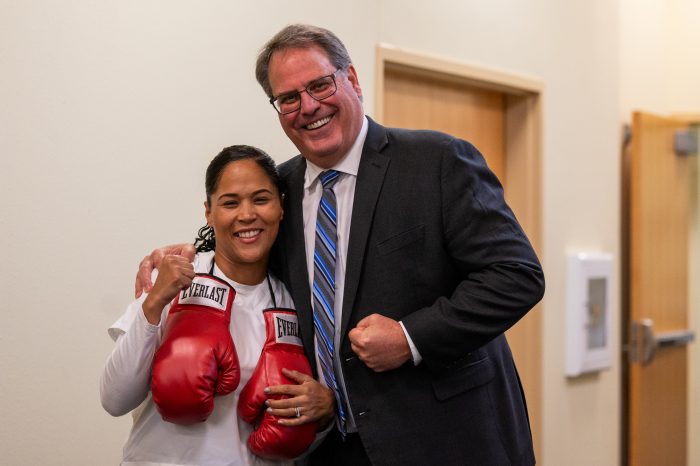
259,191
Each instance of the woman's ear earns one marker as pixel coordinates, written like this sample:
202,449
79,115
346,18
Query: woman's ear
207,212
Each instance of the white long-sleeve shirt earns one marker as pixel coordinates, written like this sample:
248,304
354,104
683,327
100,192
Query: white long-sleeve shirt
125,384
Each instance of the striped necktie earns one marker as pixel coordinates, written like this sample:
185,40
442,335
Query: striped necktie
324,285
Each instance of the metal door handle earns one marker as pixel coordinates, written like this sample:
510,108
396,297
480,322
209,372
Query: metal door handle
678,338
644,342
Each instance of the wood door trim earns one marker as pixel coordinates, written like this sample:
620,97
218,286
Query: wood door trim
479,76
690,118
523,114
523,170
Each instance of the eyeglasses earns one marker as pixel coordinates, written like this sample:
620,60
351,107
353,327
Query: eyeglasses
318,89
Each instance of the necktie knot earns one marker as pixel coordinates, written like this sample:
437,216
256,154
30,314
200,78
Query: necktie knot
328,178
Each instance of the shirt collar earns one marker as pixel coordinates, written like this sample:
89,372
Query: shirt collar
349,164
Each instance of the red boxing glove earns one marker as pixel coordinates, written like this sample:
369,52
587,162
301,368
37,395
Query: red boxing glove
282,349
196,358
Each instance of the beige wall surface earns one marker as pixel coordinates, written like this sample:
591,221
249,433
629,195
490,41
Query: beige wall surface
659,65
111,111
109,115
659,73
572,48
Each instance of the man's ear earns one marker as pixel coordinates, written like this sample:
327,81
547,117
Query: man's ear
354,81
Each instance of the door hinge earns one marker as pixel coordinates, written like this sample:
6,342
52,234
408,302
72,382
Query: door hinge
685,142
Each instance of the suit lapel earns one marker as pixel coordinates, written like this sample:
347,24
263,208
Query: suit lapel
295,251
370,176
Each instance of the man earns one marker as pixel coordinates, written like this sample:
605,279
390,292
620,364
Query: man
421,270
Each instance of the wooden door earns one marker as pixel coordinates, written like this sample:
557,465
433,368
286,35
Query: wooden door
423,101
656,198
501,126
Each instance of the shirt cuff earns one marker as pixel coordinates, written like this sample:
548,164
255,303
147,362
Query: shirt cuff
415,355
149,327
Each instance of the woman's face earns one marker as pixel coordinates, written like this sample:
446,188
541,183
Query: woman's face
245,213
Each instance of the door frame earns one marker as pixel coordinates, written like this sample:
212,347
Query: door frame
694,304
523,173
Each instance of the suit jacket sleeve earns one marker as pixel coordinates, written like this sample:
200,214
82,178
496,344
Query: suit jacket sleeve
500,278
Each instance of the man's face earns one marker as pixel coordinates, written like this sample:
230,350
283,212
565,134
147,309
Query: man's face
323,131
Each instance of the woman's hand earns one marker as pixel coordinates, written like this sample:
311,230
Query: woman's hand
314,401
174,274
153,261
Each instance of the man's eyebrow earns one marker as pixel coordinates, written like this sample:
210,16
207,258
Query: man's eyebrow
295,91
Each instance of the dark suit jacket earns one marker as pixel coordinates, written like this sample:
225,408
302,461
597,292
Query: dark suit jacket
434,245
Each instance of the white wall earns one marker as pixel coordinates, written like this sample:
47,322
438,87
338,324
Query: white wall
110,112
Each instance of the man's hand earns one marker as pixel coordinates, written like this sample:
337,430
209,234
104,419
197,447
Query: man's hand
380,343
175,274
153,261
314,401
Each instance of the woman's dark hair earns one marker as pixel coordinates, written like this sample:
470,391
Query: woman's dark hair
206,241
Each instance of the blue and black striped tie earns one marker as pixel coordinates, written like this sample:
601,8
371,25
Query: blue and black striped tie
324,285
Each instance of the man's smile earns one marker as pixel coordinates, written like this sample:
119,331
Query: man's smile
318,123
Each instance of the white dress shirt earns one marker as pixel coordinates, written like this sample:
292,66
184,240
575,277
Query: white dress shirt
344,190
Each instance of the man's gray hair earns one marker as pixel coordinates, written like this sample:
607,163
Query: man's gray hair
300,36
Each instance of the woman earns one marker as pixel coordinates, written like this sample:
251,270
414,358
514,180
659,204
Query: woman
243,211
